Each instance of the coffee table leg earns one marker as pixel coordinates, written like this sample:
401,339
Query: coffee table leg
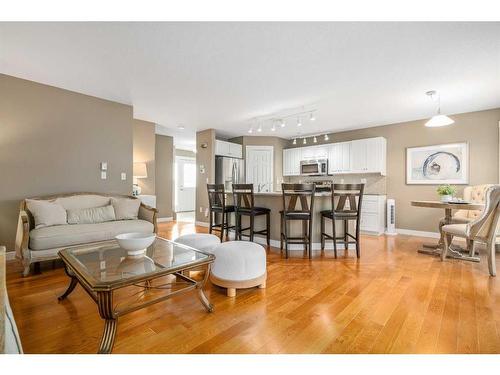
105,304
201,294
68,291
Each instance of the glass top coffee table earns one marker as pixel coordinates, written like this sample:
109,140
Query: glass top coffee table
120,284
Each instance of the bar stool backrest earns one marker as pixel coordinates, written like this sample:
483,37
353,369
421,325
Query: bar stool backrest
294,193
347,193
216,196
243,196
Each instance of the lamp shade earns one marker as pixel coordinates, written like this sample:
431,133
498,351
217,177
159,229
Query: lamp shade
439,120
140,170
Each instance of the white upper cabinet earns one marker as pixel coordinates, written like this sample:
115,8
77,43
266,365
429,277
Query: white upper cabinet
291,161
223,148
314,152
369,155
359,156
339,158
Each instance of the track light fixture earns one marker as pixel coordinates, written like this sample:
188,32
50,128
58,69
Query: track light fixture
259,129
299,123
250,131
282,124
273,128
311,117
294,141
327,137
304,141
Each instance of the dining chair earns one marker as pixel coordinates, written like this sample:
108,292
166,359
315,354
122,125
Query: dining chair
343,193
483,229
298,205
243,200
217,206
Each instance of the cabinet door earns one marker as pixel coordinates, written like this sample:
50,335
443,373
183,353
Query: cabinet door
308,153
359,156
320,152
235,150
373,155
345,156
221,148
335,158
297,158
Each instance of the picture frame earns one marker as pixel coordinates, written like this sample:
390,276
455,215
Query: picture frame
438,164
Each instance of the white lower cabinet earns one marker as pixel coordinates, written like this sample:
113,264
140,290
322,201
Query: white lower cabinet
372,219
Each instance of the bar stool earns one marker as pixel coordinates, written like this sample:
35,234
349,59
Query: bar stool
344,193
217,205
292,193
243,200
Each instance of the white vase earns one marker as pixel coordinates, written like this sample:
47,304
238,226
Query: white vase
446,198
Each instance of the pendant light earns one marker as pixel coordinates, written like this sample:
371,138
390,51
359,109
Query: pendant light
259,129
282,124
299,123
273,128
439,119
311,117
250,131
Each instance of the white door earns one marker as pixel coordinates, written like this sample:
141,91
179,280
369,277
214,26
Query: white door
359,155
259,167
185,184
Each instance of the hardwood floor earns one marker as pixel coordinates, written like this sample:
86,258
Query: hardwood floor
392,300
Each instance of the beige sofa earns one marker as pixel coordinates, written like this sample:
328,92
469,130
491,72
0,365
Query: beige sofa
38,244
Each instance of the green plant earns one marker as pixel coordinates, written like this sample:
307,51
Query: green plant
446,190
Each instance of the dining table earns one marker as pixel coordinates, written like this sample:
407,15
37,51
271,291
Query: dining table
448,207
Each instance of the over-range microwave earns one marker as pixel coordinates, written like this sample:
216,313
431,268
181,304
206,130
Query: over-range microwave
316,167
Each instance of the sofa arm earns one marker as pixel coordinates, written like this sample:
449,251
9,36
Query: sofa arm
149,214
23,234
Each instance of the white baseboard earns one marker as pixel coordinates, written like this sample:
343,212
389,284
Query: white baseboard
417,233
164,219
202,224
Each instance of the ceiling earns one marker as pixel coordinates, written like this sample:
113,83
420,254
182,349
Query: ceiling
222,75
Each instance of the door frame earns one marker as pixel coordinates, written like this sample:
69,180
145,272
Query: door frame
261,148
176,181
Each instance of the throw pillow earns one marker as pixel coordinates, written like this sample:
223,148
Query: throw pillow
126,208
91,215
46,213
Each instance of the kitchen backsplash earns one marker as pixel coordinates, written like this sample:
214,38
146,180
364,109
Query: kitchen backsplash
375,184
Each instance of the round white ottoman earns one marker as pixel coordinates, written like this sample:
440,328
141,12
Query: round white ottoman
238,265
201,241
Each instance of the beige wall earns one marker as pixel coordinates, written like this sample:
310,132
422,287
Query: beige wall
164,160
185,153
278,144
205,157
144,151
52,141
480,129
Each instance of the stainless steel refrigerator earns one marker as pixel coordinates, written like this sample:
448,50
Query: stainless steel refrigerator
229,171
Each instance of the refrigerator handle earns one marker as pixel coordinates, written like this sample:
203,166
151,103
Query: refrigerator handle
233,172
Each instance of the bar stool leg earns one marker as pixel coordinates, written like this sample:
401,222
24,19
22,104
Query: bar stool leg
310,238
358,248
268,229
210,222
322,232
286,237
346,239
251,227
281,233
304,234
334,235
222,227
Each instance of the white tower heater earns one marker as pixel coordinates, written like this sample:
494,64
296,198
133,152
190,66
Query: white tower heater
391,217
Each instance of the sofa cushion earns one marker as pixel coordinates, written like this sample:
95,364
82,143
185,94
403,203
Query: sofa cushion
68,235
126,208
83,201
46,213
91,215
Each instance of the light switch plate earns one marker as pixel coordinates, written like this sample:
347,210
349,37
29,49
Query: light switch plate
104,166
103,175
124,176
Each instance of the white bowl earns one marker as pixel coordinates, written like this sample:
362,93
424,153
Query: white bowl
135,243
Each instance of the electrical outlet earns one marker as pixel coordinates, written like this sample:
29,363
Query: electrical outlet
363,180
124,176
103,175
341,180
206,212
201,209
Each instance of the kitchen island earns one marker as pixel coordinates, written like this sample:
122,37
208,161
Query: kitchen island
372,217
